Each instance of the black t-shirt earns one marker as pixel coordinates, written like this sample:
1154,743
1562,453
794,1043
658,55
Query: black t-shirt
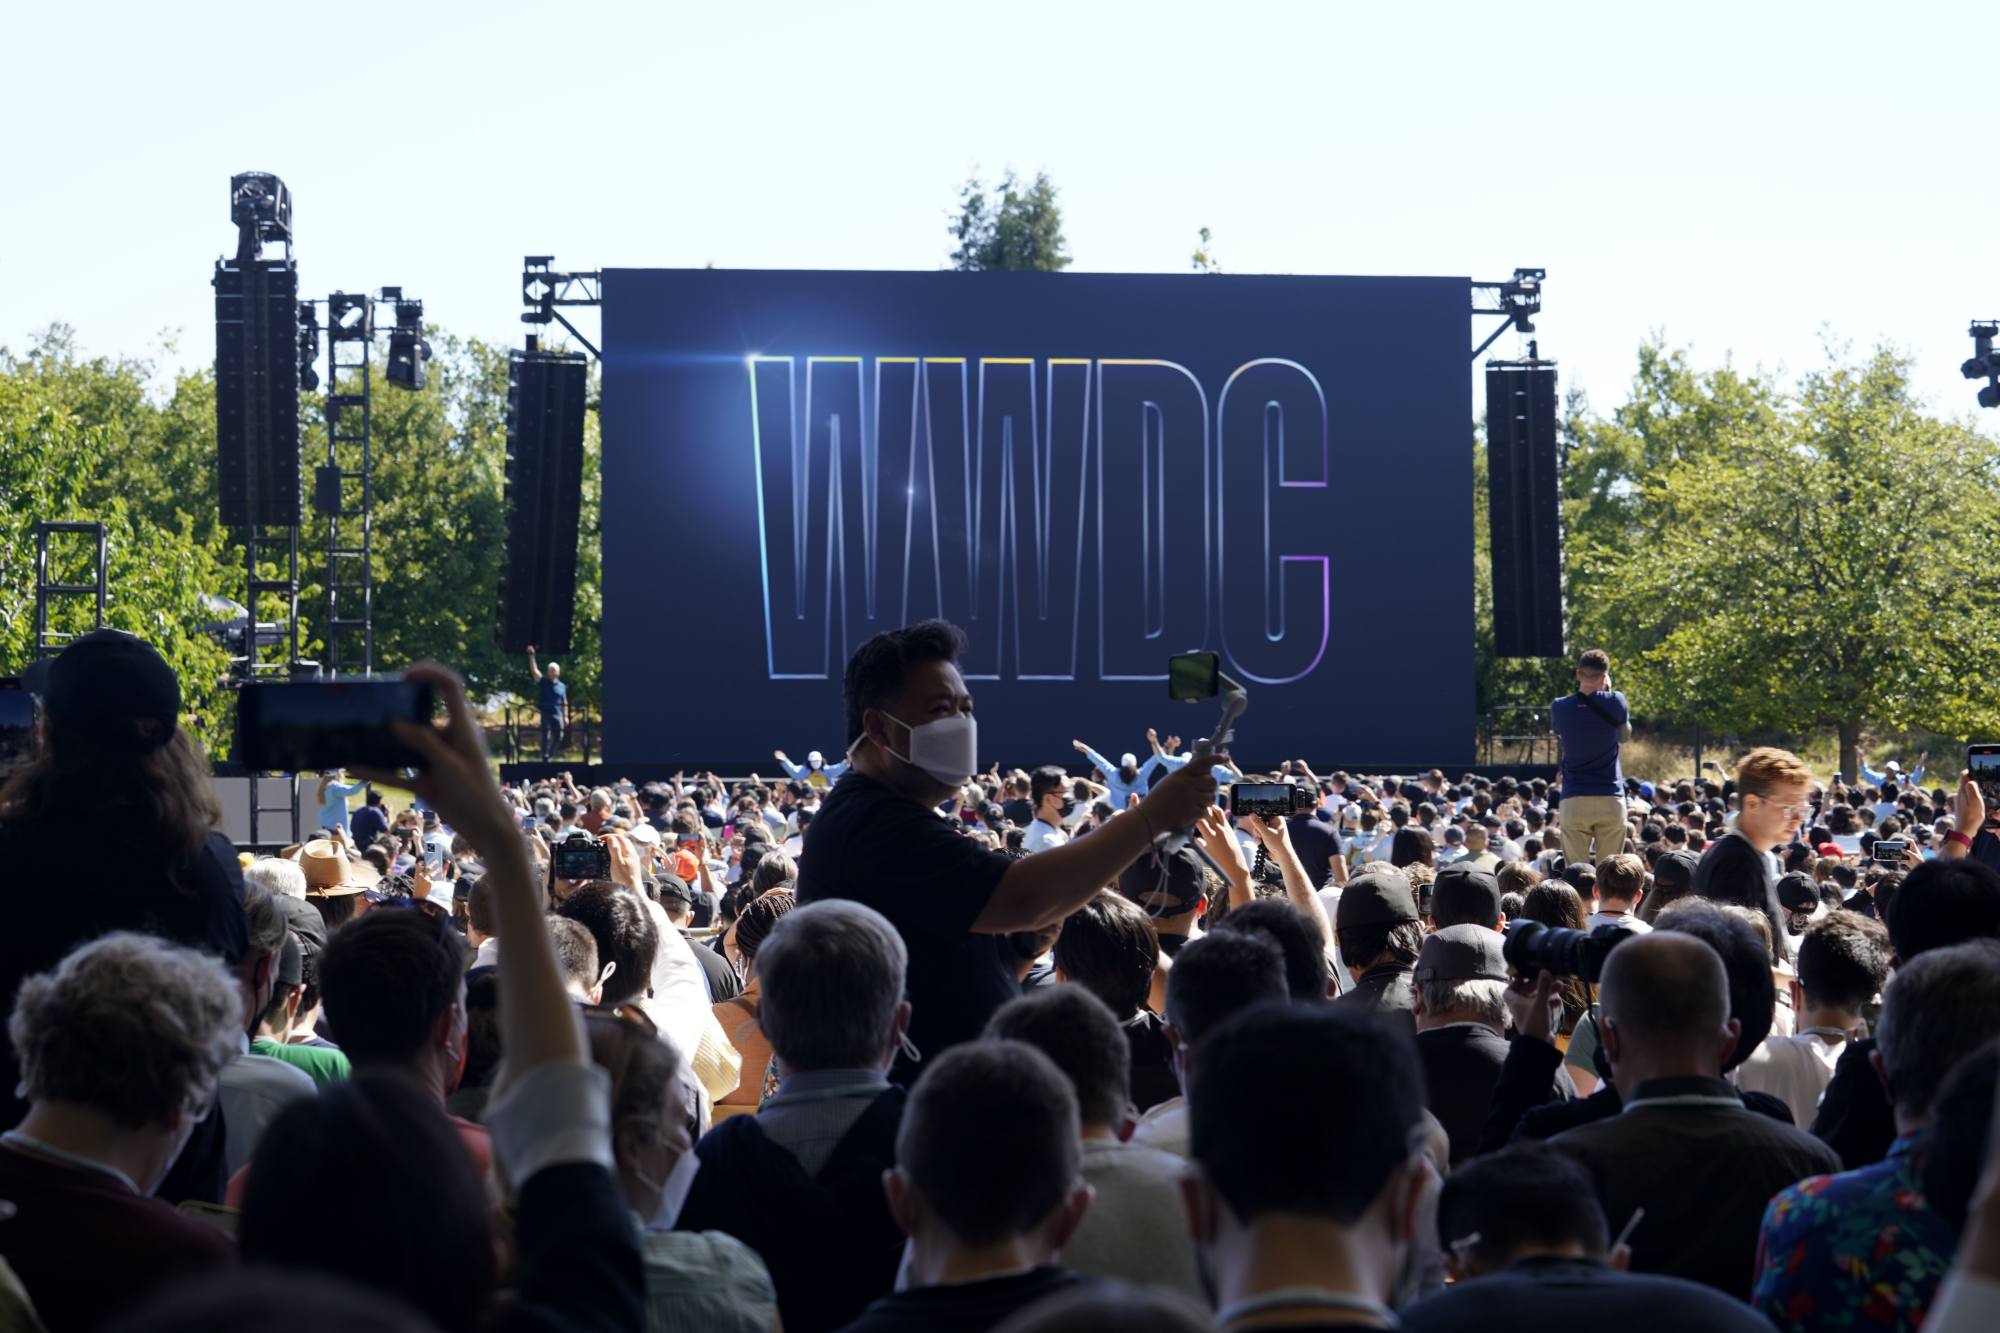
1317,844
723,983
932,882
71,881
1153,1078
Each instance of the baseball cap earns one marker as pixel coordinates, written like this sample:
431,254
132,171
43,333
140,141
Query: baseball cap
814,759
113,688
1797,892
1466,894
673,886
1377,898
291,962
1462,953
644,834
1128,760
1178,889
1831,849
1674,870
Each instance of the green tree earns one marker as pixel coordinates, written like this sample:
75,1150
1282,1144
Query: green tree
1810,563
1011,228
77,439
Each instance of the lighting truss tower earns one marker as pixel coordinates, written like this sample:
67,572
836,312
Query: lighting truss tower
344,486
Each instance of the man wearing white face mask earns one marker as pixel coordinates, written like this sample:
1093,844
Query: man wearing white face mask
913,742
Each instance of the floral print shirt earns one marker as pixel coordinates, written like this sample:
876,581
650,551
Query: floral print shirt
1859,1250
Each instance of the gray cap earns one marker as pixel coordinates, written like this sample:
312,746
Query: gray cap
1462,953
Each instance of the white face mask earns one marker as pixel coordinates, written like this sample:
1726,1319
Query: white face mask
947,748
674,1192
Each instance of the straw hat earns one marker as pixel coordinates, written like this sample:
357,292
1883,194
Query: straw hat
331,873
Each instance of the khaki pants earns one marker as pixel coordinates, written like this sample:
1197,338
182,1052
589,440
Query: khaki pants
1593,827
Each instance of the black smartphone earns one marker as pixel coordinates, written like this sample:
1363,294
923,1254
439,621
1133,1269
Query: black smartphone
1277,800
17,723
579,857
1193,676
1983,761
318,725
1890,851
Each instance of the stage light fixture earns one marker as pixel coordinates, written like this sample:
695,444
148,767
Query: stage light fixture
1984,364
260,206
308,346
408,349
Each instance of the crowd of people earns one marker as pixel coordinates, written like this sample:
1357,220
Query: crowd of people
904,1043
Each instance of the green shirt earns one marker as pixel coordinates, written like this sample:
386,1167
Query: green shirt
324,1063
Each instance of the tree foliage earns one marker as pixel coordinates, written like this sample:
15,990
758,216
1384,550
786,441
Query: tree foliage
1764,561
85,439
1010,228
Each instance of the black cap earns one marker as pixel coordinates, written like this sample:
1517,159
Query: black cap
291,962
1178,889
1797,892
113,688
1463,953
1378,898
1466,894
673,886
1674,870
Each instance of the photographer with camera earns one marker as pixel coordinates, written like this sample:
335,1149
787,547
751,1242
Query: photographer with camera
880,840
1592,724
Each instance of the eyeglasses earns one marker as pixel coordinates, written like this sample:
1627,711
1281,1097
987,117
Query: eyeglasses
1799,812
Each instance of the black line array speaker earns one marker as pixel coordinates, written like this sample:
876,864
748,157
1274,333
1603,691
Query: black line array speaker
1524,490
257,392
545,402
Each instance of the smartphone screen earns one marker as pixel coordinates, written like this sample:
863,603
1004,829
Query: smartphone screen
1984,762
1192,676
1260,798
316,725
1890,850
17,723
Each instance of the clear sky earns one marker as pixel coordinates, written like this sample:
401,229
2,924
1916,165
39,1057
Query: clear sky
1742,177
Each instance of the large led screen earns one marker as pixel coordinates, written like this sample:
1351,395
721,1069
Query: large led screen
1087,472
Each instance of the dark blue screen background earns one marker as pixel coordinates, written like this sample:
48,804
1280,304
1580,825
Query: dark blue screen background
1087,472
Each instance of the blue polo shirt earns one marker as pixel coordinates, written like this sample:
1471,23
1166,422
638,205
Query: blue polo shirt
1590,742
554,697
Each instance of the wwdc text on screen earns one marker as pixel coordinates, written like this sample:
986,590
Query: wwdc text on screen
1088,473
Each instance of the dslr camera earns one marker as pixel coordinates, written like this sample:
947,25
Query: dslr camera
1531,947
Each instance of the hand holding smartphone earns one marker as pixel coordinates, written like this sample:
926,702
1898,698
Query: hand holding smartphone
320,725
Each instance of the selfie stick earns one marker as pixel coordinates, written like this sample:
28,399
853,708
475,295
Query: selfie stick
1235,699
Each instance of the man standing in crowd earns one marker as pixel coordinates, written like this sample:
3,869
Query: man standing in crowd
985,1226
1592,724
1740,867
370,822
1684,1149
1845,1251
552,700
120,1050
1314,1233
1527,1247
1048,788
800,1181
880,839
1621,883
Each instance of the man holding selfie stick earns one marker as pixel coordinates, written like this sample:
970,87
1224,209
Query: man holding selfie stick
879,840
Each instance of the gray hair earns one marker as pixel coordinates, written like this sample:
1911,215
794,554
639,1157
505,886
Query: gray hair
832,976
1476,999
774,871
130,1026
1938,1008
286,879
267,923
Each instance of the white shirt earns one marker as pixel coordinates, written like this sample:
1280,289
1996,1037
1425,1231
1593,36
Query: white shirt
1625,919
1042,836
1794,1069
1165,1128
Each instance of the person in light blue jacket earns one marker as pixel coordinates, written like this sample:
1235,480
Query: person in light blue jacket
1891,771
814,772
1126,778
332,797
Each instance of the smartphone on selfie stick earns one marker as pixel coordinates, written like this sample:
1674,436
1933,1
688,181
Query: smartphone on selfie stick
1191,678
